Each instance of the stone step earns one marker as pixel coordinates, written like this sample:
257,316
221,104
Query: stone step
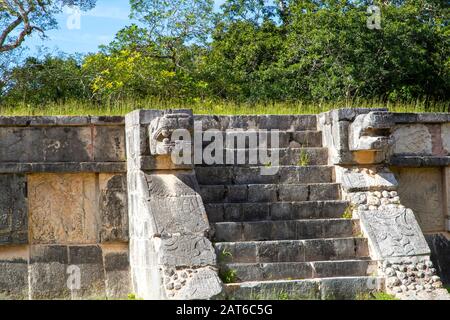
229,175
284,230
262,122
286,139
297,270
241,212
269,192
285,156
292,250
336,288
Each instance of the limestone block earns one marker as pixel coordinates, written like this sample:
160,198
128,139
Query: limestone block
393,232
349,288
203,283
338,136
293,192
369,131
48,272
48,144
412,140
14,272
354,180
270,290
62,208
349,114
117,271
421,190
161,162
335,137
109,143
168,211
175,205
13,209
186,250
89,260
141,117
145,272
162,128
113,207
445,136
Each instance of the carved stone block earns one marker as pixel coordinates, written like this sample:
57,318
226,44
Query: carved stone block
370,131
13,209
186,250
162,130
63,208
354,180
202,283
113,207
174,204
393,232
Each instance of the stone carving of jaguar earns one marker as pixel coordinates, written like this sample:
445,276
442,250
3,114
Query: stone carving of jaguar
161,129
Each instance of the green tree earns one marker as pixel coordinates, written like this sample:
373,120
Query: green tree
134,66
159,59
7,61
332,51
48,79
21,18
323,50
175,24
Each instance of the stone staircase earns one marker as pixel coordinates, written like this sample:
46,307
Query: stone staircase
284,236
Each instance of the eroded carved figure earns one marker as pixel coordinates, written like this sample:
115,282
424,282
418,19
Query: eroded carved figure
371,131
162,128
394,231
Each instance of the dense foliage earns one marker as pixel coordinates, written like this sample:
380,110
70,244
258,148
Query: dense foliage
253,51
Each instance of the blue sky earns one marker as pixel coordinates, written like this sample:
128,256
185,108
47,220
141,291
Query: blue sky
97,27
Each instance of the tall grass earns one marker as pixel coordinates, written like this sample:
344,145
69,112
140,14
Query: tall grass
223,107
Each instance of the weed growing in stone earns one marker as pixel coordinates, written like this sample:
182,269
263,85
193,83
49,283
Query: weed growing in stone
225,255
283,295
348,213
228,276
375,296
304,158
132,296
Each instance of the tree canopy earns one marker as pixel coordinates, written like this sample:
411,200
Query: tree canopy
21,18
256,50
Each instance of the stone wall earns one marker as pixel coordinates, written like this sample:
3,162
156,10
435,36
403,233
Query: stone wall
393,168
171,255
67,183
420,152
63,208
420,159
